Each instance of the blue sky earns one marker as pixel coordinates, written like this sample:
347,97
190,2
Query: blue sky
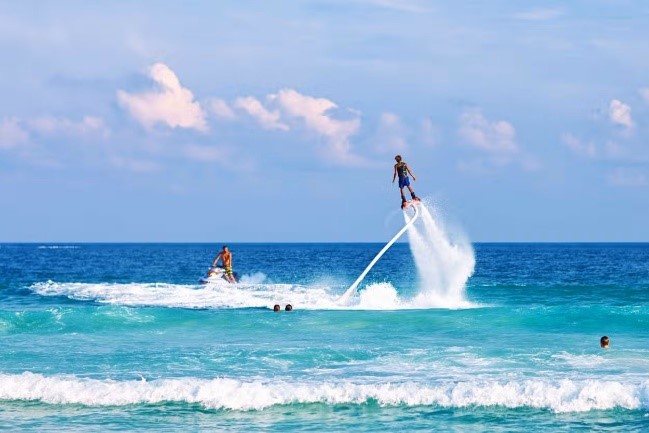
250,121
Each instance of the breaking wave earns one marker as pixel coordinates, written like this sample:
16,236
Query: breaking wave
224,393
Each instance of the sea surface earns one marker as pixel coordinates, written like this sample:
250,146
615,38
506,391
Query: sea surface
101,337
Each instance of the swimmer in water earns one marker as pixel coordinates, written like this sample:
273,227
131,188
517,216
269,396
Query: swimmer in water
603,342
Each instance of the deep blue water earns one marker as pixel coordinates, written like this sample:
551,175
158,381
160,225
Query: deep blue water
96,337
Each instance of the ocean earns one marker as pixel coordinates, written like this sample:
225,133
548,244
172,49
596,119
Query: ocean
442,335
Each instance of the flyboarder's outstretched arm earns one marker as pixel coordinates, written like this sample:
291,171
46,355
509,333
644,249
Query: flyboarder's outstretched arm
411,173
394,176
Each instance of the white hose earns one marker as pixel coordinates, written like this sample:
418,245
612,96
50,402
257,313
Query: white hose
352,289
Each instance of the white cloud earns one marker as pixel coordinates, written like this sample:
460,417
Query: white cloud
390,136
620,114
577,146
645,94
629,151
15,131
12,133
221,109
539,14
170,104
288,108
316,114
53,125
627,178
267,119
494,137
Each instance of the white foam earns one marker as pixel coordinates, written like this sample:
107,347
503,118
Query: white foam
582,362
217,296
5,325
184,296
377,296
223,393
445,261
256,278
380,296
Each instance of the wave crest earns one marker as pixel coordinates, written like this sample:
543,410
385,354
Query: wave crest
223,393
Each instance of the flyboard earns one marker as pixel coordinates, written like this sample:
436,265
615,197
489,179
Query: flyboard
352,289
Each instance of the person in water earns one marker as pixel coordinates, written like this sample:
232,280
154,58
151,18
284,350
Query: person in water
226,258
603,342
402,170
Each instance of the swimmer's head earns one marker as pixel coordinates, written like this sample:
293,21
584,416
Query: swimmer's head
603,342
289,307
276,308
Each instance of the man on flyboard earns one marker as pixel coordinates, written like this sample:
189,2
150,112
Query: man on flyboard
402,170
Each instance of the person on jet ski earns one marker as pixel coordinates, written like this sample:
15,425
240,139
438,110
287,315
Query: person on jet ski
226,259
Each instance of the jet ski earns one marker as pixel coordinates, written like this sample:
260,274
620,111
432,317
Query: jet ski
216,274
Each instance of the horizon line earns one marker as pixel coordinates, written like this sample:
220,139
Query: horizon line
289,242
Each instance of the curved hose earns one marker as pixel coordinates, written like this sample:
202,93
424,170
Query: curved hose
352,289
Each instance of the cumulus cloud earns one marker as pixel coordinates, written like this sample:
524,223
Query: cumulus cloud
316,113
288,109
620,113
221,109
170,103
390,136
539,14
267,119
579,147
628,151
53,125
15,131
12,133
494,137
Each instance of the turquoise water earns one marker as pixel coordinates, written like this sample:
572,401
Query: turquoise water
97,337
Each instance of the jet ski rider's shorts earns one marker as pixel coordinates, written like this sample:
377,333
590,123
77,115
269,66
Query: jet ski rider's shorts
228,270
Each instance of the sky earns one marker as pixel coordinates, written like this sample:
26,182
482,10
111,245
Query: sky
278,121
